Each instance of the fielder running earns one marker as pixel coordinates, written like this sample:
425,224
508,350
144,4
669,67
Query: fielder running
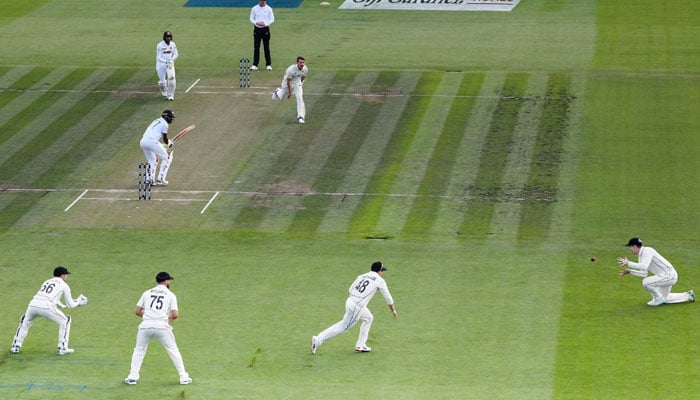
157,308
45,304
166,54
154,150
292,82
665,276
361,292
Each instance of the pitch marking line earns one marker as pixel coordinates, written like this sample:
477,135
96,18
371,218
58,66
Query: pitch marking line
76,200
209,203
192,85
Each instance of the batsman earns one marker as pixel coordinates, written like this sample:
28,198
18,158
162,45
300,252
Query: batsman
166,54
154,150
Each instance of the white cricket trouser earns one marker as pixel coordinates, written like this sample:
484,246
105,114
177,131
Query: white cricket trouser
166,337
152,150
165,83
161,69
298,92
52,314
660,286
353,313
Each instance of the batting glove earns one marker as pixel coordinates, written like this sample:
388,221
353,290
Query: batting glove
170,143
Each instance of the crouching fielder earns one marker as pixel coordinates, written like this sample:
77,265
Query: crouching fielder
292,82
45,304
664,275
154,150
361,292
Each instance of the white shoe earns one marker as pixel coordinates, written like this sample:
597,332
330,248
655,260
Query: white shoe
691,296
130,381
63,352
269,68
275,94
657,302
300,120
161,182
185,381
362,349
171,98
253,67
314,346
14,349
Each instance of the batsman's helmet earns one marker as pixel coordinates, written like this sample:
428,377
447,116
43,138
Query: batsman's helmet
58,271
167,35
168,115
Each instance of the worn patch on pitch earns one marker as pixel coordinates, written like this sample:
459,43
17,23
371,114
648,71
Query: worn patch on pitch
431,5
243,3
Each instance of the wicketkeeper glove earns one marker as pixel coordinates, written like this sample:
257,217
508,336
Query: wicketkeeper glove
82,300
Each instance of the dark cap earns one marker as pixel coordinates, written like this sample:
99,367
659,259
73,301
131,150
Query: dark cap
58,271
635,241
163,276
168,113
377,266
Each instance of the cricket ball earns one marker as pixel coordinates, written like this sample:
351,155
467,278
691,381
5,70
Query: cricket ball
592,259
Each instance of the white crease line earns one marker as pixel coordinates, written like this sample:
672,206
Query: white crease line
209,203
76,200
193,85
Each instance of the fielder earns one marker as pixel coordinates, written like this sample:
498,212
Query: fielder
292,82
166,54
154,150
157,308
665,276
45,304
361,292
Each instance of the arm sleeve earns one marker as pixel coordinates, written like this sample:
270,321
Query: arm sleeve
641,268
70,303
176,54
385,292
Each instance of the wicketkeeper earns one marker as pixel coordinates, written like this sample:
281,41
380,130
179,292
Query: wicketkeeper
45,304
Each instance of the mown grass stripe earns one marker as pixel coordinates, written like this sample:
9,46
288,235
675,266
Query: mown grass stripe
338,163
254,212
24,158
437,175
305,174
486,191
339,212
540,191
16,123
90,146
504,224
367,213
77,147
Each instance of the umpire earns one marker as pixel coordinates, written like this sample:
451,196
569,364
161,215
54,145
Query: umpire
261,16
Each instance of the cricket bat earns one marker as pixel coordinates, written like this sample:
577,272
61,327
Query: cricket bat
184,132
170,72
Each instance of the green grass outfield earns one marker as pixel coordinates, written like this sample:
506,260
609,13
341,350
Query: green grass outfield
485,157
